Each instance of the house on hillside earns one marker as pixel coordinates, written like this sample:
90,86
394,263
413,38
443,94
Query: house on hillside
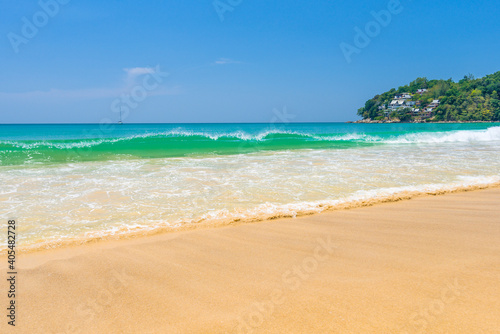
403,96
396,104
421,91
399,101
425,113
429,110
434,103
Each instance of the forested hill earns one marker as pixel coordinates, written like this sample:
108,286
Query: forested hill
469,99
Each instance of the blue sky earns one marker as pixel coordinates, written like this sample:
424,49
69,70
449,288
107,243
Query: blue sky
84,59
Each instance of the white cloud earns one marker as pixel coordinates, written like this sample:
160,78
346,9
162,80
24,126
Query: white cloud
90,93
61,93
134,77
224,61
136,71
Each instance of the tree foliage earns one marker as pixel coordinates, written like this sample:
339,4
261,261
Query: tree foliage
469,99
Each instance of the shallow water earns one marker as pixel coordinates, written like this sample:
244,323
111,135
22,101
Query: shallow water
67,183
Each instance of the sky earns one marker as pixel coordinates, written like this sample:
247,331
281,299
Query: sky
204,61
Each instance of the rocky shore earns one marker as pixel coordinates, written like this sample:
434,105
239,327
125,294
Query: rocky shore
397,120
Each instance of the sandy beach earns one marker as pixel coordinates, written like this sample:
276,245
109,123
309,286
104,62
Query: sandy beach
246,167
426,265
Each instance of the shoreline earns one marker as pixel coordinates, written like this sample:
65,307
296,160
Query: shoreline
408,267
370,121
320,208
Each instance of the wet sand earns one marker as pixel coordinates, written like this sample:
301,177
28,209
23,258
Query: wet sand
426,265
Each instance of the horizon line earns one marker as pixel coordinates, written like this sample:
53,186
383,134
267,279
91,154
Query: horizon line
173,123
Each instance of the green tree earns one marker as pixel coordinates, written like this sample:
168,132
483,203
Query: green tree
468,99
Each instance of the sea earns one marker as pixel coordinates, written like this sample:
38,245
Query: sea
75,183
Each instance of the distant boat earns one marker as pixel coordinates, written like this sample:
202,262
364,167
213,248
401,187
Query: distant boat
120,121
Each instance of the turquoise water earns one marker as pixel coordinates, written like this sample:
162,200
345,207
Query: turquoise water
73,183
28,144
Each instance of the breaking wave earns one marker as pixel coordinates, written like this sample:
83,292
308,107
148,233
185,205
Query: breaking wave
178,143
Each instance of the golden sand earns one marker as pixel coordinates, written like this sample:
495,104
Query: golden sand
427,265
